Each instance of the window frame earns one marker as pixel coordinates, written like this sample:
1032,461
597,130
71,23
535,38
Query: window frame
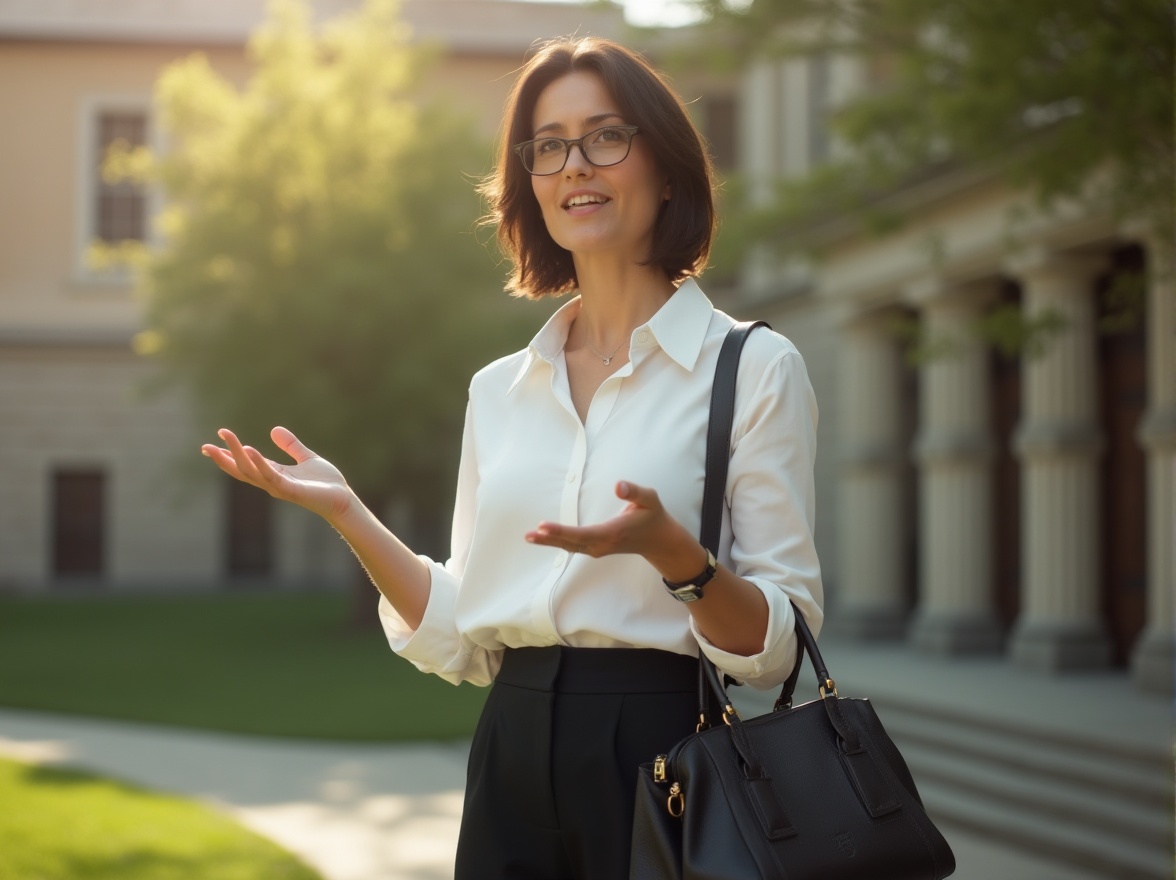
91,112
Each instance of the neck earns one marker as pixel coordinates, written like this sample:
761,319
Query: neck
613,303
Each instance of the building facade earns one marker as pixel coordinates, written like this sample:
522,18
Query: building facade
977,502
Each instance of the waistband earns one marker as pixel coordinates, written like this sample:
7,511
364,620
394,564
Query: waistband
599,670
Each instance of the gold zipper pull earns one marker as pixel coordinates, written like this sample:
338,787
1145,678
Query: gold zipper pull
659,768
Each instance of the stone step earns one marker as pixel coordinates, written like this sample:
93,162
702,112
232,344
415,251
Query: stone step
1025,753
1033,729
1076,804
1061,797
1059,840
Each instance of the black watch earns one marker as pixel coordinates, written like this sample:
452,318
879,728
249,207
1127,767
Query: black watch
691,590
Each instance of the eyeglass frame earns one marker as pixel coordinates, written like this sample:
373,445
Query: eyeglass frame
568,143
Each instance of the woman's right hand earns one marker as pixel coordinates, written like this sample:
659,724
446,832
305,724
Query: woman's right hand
311,482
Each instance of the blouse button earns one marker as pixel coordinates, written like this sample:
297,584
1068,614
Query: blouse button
560,558
643,337
571,476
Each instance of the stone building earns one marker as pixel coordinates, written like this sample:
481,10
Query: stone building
977,503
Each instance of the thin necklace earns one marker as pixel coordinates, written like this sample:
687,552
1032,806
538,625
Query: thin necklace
607,358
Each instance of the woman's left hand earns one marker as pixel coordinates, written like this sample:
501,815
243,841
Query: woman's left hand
643,527
738,623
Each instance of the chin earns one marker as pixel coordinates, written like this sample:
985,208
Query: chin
589,244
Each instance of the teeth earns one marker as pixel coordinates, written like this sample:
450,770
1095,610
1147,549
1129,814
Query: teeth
576,201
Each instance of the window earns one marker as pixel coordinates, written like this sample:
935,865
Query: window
120,209
79,504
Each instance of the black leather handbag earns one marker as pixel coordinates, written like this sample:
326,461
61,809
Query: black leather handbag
812,792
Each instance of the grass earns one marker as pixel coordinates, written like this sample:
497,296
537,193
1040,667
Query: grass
67,825
271,664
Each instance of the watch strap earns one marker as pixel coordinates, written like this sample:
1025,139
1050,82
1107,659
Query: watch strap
692,589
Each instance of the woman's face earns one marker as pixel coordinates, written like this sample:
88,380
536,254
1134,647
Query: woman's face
615,207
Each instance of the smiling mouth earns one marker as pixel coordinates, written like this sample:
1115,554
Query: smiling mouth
581,200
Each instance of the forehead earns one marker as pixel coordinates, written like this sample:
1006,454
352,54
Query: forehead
573,101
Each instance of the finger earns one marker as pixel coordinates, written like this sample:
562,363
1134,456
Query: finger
285,440
270,476
561,544
236,449
552,535
574,539
642,496
223,460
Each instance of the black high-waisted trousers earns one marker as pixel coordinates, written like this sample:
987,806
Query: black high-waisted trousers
553,765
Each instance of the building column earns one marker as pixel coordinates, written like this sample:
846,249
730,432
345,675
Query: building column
760,157
871,600
1059,444
954,450
1153,657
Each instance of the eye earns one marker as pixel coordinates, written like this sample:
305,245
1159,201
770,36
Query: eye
610,134
548,146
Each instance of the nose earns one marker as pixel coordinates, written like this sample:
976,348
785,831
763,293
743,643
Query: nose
577,161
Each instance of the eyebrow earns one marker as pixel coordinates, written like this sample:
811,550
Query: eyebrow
598,119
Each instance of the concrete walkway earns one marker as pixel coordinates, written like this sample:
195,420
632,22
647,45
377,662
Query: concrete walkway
354,812
379,812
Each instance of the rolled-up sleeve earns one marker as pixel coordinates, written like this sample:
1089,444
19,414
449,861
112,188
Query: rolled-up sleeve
771,501
436,645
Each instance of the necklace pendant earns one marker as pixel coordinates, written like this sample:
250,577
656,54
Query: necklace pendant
607,361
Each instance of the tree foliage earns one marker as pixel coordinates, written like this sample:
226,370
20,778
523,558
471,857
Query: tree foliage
1071,98
319,267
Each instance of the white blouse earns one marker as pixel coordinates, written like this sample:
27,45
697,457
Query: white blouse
526,457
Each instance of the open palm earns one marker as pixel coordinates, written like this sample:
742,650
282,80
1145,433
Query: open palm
311,482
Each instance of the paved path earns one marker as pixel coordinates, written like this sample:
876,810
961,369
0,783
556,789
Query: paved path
354,812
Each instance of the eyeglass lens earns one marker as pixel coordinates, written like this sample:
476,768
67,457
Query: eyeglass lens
602,147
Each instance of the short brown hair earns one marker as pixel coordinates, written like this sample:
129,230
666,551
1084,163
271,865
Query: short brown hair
685,226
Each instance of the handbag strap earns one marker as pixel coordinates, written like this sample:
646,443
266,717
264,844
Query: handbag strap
718,456
718,437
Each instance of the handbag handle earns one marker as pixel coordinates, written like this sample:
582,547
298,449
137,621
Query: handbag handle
862,768
718,455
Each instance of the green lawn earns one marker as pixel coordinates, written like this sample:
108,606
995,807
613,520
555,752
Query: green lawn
273,664
66,825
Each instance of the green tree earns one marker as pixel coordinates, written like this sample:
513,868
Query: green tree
1071,98
319,266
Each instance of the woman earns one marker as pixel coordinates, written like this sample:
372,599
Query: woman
576,582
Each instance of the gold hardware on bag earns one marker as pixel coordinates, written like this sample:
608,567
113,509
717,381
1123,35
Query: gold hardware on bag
829,687
676,800
730,712
659,768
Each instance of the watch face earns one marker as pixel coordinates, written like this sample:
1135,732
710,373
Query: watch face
687,594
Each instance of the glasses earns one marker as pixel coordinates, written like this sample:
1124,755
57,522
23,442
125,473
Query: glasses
602,147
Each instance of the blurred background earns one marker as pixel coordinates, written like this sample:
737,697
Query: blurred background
227,213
